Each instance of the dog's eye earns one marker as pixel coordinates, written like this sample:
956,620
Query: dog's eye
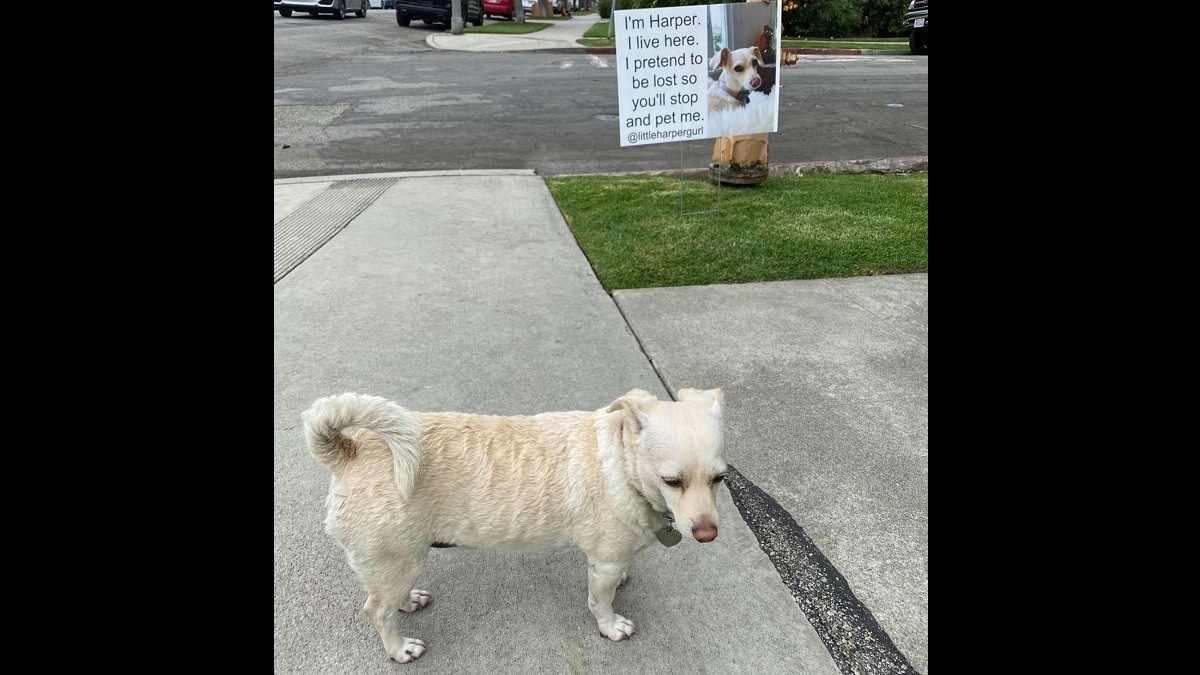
718,479
673,482
738,69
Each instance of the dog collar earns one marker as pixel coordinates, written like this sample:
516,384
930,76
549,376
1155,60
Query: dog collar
667,536
669,516
742,95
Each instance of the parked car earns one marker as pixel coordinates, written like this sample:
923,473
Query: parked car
528,5
337,8
377,4
437,11
389,4
502,8
917,19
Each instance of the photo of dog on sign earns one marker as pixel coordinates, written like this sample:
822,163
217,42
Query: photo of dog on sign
742,68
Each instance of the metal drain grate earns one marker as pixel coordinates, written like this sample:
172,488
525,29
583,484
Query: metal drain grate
302,233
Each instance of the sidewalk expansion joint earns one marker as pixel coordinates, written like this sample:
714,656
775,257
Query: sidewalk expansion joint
854,638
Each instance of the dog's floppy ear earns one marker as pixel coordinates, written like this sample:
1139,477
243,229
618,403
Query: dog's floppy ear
719,59
757,55
635,401
713,398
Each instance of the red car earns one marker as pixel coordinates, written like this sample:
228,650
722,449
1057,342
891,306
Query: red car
502,8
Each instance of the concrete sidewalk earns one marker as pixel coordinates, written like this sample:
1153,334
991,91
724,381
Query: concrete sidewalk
827,400
561,35
466,291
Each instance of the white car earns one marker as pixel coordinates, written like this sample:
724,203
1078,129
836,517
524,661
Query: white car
338,8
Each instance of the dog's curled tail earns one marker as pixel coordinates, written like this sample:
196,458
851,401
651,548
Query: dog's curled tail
329,416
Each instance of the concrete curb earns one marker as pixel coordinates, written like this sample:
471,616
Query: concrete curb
406,174
911,164
480,43
822,50
579,49
846,52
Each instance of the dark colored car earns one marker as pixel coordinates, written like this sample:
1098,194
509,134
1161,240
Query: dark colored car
437,11
917,19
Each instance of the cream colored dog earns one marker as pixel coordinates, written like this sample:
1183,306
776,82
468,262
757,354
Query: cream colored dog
739,77
608,481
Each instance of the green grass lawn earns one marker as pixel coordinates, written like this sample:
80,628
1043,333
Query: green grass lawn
507,28
598,30
850,39
821,225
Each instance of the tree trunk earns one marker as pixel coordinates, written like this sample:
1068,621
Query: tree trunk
518,11
456,17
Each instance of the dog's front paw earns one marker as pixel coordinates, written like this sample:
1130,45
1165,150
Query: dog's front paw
417,599
618,628
411,650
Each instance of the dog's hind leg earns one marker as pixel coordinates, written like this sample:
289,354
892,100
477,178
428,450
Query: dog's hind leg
603,579
389,585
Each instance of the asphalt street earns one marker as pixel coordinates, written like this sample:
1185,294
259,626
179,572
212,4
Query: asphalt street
307,44
366,95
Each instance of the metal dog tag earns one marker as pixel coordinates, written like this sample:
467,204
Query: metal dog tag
668,537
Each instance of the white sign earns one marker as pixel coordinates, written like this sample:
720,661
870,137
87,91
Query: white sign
697,71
